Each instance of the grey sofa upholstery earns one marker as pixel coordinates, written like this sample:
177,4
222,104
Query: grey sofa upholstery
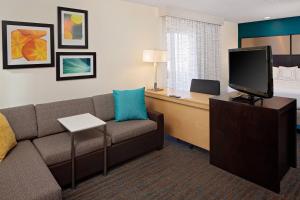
41,161
47,114
104,106
22,120
25,176
52,133
120,131
87,142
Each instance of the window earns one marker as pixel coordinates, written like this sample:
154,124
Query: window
194,51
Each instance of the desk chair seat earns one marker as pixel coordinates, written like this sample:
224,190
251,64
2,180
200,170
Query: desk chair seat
205,86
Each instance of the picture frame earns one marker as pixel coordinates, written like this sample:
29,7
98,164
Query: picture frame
27,45
72,28
75,65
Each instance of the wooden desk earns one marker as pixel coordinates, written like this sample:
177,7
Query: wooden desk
186,118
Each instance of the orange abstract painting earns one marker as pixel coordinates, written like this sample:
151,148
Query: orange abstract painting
29,44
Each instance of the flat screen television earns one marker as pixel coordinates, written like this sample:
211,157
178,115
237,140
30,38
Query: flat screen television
250,71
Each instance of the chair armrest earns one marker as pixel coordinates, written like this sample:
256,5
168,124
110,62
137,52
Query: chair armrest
159,119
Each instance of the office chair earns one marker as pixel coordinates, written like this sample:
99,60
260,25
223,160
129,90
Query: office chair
205,86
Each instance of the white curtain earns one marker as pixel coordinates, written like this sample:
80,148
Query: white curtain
194,51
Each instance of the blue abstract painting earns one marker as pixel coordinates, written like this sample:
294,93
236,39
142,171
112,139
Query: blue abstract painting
76,65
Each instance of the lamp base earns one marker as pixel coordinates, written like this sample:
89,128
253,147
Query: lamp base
156,89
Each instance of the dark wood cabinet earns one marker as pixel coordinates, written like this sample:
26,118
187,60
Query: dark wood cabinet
256,142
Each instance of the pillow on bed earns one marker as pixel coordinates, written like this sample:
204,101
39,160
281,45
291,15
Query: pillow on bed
287,73
275,72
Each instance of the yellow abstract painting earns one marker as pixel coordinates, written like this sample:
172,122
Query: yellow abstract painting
73,29
29,44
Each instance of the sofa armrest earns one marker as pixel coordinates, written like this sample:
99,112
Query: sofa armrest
159,119
155,116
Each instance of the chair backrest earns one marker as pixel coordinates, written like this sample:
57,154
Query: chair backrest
205,86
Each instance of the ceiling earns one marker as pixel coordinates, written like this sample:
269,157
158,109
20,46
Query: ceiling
234,10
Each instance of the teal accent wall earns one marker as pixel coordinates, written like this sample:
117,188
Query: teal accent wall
284,26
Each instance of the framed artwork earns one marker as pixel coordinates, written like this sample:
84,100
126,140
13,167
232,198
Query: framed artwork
27,45
72,28
75,65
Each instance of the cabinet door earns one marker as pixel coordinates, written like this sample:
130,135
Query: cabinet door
244,141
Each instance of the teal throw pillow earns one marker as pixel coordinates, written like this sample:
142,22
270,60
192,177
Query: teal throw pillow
130,105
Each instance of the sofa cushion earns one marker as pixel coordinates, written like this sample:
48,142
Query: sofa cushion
47,114
24,175
57,148
104,106
120,131
22,120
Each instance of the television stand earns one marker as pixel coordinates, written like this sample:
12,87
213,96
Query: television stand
246,98
257,142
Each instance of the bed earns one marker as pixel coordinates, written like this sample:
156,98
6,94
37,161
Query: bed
284,88
287,87
286,52
290,89
286,84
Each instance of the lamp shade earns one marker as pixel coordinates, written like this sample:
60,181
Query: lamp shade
154,56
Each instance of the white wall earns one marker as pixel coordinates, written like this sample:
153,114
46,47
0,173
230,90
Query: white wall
191,15
229,40
118,31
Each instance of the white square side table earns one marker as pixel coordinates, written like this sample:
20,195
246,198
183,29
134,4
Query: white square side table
78,123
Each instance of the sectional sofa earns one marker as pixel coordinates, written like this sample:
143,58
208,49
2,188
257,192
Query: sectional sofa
40,165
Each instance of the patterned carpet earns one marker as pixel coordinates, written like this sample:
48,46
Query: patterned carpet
179,173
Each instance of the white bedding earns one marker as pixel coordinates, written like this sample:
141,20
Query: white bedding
283,88
289,89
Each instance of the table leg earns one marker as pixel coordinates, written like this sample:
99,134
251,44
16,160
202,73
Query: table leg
73,160
105,152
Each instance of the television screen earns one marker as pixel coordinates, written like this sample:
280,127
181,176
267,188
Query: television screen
250,71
